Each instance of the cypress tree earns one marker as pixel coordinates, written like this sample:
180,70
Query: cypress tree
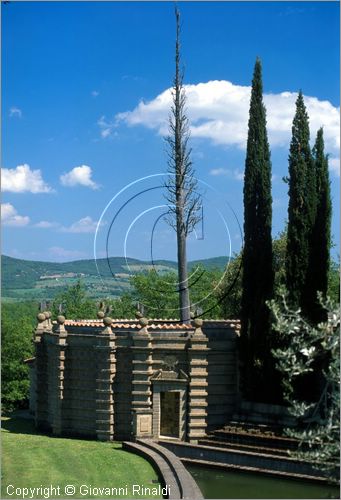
317,279
258,276
301,210
318,266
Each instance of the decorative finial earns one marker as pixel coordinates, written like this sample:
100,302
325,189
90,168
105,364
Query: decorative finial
60,328
138,315
197,322
104,310
143,322
61,319
107,325
108,310
42,326
107,321
42,306
48,316
140,309
41,317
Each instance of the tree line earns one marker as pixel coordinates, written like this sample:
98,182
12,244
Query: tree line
306,263
290,336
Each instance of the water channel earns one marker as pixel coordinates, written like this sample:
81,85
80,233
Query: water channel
217,483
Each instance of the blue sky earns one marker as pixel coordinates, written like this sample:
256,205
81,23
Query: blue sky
85,99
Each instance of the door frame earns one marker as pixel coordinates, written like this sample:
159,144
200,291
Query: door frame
179,386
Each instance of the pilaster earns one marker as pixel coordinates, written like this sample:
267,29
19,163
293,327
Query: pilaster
105,349
58,376
197,397
41,411
142,372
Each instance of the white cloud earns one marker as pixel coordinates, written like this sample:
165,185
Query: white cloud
61,253
95,93
280,113
236,174
22,179
10,217
218,110
44,224
106,127
15,112
79,176
219,171
85,225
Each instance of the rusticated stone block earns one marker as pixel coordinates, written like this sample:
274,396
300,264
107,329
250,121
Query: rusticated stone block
135,380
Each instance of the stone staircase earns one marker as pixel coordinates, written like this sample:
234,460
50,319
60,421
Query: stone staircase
252,447
252,437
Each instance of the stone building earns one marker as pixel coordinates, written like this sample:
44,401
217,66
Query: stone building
126,379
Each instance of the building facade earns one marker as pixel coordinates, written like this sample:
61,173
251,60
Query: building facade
124,379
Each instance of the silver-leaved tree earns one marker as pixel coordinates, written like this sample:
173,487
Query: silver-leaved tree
303,348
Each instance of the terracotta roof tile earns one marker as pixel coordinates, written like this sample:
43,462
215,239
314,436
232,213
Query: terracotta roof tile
154,324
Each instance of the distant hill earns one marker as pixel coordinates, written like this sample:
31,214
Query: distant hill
26,279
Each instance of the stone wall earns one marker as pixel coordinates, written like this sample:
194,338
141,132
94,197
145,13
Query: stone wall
79,401
222,371
105,380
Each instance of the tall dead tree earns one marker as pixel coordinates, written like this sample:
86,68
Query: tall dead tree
182,195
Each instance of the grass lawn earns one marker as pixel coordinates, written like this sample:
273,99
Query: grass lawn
32,460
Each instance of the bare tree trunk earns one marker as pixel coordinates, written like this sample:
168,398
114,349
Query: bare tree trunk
185,203
180,195
184,301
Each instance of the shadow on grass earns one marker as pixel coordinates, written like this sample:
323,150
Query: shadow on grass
18,425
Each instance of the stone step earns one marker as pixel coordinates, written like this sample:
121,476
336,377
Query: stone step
246,468
257,435
256,441
275,429
244,447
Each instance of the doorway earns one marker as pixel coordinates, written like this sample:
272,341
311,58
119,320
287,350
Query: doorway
169,421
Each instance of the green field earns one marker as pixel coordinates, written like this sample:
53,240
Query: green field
32,460
33,280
